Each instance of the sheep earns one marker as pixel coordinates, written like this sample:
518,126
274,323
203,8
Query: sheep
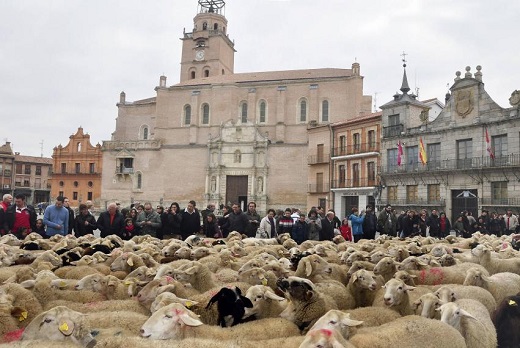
409,331
10,316
444,275
495,265
24,299
395,296
453,292
100,306
472,320
336,320
507,321
127,262
316,269
196,274
230,303
176,322
373,316
362,286
407,278
166,298
258,276
500,285
60,324
386,268
306,303
109,286
325,338
266,304
426,306
127,321
358,265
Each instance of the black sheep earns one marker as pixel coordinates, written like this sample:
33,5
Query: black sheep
507,322
230,302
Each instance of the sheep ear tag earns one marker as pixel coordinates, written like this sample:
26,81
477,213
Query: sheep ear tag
264,282
512,303
67,327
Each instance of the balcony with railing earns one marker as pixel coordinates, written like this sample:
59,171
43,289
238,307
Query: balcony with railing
419,202
465,164
356,149
351,183
393,131
318,188
318,159
124,170
500,202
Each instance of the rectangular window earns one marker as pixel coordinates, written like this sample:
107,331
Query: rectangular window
392,193
464,153
64,168
303,111
262,112
499,192
342,144
412,158
60,193
434,193
38,170
411,194
205,114
320,153
28,169
499,148
89,196
341,176
26,182
18,181
325,111
92,168
371,139
434,155
75,196
38,183
77,168
355,174
371,173
244,113
356,142
391,160
393,120
319,182
126,165
19,168
7,170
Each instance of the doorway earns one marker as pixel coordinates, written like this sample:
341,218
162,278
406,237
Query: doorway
236,190
464,200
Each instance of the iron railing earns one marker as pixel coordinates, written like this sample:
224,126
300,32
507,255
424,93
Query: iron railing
356,149
348,183
318,188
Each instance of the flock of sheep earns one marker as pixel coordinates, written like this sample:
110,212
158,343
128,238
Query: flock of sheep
247,292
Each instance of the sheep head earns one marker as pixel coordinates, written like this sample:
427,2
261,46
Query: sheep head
169,322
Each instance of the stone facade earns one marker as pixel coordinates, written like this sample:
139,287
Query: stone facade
460,173
32,177
77,170
6,169
222,137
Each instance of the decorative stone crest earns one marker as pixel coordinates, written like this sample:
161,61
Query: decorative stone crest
514,100
464,103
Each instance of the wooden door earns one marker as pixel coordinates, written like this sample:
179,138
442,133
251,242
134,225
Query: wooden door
236,189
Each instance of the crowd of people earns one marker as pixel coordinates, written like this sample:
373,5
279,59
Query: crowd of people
21,219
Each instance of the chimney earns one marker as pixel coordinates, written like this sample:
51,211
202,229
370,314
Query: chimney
122,97
162,81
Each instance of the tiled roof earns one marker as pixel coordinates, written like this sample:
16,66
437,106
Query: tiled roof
358,118
33,159
265,76
6,149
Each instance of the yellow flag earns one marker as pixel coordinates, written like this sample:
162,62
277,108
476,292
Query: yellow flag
422,152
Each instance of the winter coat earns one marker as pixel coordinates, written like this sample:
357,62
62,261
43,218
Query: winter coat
357,224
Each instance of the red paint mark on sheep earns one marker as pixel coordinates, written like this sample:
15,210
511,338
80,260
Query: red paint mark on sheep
12,336
435,274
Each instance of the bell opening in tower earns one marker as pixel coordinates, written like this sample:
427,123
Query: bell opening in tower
212,6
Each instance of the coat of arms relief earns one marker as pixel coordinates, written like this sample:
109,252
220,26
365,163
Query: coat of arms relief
464,103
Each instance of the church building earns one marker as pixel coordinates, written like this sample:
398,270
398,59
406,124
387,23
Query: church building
221,137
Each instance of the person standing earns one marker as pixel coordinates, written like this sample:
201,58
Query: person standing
56,218
267,228
111,221
444,225
4,204
387,221
346,230
210,209
511,222
172,228
190,221
149,220
433,223
286,222
210,229
223,221
66,205
369,224
253,220
238,220
356,221
163,216
327,226
314,222
20,217
85,222
300,230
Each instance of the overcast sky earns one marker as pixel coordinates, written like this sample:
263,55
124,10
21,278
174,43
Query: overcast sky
63,63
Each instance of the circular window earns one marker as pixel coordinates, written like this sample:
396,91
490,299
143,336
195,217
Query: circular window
61,183
76,184
90,184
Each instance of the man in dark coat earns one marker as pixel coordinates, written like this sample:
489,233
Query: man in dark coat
111,221
433,222
253,220
238,220
327,226
190,221
85,222
370,223
20,218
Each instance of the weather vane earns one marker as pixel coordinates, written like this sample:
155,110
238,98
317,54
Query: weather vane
404,58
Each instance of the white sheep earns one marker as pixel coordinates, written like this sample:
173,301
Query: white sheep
453,292
500,285
266,304
394,295
495,265
472,320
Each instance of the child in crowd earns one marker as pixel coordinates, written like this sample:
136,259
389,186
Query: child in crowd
130,230
211,228
40,228
345,230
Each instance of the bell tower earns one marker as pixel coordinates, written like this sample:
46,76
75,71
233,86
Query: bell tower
207,51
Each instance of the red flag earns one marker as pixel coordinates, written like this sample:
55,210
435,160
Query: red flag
488,146
399,152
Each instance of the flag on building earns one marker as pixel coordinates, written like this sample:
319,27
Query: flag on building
488,146
422,152
399,153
